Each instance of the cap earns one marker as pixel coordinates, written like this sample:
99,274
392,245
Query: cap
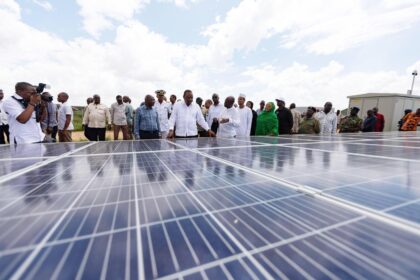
355,108
242,95
160,92
280,99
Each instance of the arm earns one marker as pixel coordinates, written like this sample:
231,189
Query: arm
86,116
249,120
210,117
334,128
317,128
108,115
157,121
111,112
290,119
200,119
383,123
137,122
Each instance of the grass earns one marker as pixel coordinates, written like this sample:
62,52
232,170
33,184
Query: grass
77,118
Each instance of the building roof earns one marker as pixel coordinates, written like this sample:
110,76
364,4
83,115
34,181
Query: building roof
371,94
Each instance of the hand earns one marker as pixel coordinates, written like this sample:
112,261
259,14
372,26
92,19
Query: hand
170,134
48,130
109,127
83,126
35,99
211,133
224,120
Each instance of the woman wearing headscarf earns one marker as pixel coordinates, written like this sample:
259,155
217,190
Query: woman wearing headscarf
267,123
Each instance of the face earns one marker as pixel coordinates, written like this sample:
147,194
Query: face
262,104
172,99
27,92
354,112
249,104
375,110
97,99
280,104
60,98
418,112
327,107
89,100
241,101
125,99
149,101
188,98
268,107
208,104
229,102
119,99
370,113
1,95
215,99
160,97
309,113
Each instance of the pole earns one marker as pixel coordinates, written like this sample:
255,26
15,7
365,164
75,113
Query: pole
412,85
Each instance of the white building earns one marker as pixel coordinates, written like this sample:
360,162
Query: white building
391,105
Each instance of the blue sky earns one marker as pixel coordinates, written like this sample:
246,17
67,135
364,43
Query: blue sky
306,51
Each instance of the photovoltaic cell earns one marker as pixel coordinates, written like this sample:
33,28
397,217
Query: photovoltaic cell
343,206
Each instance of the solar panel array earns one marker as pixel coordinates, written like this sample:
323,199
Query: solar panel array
302,206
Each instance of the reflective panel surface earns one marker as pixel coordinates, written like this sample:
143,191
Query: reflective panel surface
344,206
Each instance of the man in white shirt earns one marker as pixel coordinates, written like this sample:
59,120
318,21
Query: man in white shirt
119,118
65,118
163,109
214,113
327,120
245,117
185,117
228,119
4,125
96,117
21,114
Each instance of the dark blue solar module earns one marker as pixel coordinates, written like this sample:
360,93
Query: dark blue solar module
314,207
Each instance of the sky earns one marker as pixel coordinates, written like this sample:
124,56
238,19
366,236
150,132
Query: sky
305,51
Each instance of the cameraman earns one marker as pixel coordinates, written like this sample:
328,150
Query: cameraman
21,111
49,124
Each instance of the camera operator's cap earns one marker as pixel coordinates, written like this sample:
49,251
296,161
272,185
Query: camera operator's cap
280,99
160,92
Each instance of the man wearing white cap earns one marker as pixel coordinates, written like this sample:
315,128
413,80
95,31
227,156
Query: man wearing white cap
245,117
163,109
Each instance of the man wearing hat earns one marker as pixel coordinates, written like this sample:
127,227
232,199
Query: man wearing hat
284,117
245,118
351,123
163,109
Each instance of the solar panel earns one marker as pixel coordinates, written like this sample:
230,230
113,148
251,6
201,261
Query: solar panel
343,206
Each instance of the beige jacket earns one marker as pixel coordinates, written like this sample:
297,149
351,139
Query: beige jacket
96,116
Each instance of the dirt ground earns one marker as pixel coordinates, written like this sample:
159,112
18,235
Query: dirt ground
78,136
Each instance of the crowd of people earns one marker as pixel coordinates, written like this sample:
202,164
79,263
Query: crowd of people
30,116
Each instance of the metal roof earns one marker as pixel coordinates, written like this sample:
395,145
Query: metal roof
371,94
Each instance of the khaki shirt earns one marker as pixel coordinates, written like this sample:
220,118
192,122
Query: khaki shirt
118,114
96,116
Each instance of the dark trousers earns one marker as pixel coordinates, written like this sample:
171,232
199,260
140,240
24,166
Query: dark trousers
194,136
149,134
54,132
4,130
95,134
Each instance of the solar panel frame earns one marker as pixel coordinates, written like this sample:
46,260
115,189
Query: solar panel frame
162,195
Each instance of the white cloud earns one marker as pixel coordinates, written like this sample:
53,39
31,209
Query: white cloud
98,15
138,61
299,84
319,26
44,4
